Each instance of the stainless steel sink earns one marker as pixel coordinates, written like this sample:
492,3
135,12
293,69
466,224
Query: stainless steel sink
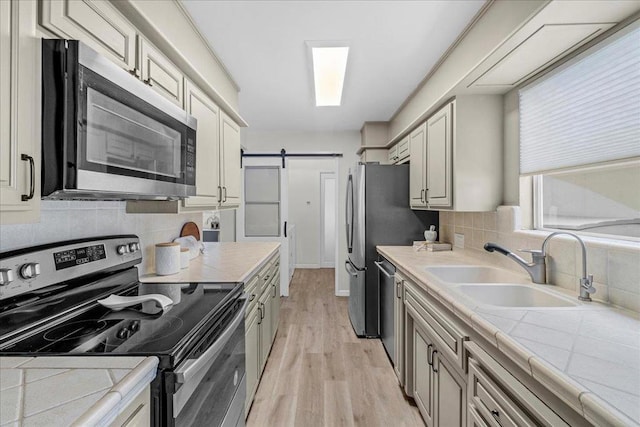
514,295
474,274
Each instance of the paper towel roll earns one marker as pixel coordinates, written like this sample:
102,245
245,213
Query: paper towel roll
185,257
167,258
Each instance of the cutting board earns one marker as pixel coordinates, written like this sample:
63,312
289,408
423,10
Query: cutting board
190,229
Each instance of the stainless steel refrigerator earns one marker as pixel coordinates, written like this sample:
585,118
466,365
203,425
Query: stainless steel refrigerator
377,213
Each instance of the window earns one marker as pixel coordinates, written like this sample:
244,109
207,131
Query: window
262,201
580,139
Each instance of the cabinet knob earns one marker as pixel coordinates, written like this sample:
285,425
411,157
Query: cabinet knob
148,81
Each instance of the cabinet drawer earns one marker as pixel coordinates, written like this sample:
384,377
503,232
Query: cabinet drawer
491,402
474,419
252,289
500,398
450,339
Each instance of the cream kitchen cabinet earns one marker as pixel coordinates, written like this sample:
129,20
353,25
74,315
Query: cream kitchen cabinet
207,113
99,25
137,413
456,156
261,322
439,164
230,171
96,23
19,106
160,73
398,325
399,153
417,170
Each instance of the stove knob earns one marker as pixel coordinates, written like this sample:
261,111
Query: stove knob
134,327
30,270
122,333
122,249
6,276
133,247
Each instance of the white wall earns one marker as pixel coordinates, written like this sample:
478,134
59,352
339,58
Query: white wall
304,206
65,220
345,142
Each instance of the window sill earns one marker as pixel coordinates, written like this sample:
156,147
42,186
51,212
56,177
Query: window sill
592,241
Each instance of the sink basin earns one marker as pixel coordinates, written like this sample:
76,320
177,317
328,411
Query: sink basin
514,295
473,274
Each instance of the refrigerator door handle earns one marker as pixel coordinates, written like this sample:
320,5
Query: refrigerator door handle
349,214
381,268
350,269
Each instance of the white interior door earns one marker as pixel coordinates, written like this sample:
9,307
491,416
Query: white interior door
263,215
328,231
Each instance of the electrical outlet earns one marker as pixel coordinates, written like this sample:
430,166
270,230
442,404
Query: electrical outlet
459,241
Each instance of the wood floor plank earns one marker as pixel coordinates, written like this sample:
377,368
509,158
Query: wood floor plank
319,373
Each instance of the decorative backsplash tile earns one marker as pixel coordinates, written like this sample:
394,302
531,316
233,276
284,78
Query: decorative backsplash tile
615,265
64,220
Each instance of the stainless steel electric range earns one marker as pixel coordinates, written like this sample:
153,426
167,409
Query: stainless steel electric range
48,307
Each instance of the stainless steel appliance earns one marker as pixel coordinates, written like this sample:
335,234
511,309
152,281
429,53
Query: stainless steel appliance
377,213
387,282
48,307
107,135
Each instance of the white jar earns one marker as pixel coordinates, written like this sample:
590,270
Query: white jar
167,258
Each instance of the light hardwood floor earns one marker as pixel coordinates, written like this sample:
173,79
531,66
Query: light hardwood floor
319,373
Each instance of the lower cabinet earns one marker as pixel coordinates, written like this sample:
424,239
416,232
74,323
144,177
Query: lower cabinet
398,324
261,323
137,413
438,389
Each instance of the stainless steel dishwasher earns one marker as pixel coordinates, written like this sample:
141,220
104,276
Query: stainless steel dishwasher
386,283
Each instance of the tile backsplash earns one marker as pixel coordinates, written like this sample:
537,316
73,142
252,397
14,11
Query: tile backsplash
615,265
64,220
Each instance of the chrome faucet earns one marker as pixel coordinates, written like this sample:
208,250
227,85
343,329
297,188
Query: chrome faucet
537,268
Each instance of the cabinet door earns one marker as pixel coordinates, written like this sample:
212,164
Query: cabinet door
398,311
19,106
450,393
97,24
252,349
230,155
417,181
265,327
439,162
208,191
275,303
161,74
423,376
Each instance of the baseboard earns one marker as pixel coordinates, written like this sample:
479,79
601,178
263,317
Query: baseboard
343,293
310,266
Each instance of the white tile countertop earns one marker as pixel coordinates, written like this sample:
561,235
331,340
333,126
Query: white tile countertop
72,390
225,262
587,355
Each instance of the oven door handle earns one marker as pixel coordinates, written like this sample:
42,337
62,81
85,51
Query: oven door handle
188,369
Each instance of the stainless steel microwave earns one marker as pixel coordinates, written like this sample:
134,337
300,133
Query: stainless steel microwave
108,136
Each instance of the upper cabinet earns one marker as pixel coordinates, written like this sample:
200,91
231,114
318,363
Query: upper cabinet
159,73
230,176
19,105
439,146
456,156
417,171
207,114
97,24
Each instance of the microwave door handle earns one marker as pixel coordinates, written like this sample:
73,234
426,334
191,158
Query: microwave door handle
188,369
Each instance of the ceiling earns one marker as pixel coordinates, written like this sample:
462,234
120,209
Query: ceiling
393,45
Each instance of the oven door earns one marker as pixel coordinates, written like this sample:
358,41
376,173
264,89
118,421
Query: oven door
211,389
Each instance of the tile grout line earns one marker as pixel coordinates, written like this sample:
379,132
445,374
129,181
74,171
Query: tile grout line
107,389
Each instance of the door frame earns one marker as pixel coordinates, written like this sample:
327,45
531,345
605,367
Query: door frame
324,176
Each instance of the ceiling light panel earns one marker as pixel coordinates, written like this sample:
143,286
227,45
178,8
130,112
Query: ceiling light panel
329,69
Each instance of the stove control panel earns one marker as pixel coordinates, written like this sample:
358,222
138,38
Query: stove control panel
27,270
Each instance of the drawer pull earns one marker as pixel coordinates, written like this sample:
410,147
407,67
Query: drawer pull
148,81
252,297
429,354
433,360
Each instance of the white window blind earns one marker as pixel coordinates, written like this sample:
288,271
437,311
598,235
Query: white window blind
587,113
